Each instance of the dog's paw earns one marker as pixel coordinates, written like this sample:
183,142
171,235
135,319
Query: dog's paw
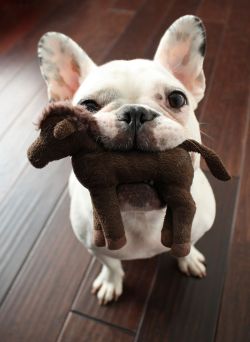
193,264
108,286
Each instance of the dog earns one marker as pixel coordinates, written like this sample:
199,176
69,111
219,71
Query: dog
120,95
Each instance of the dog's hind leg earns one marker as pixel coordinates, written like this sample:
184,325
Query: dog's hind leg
108,284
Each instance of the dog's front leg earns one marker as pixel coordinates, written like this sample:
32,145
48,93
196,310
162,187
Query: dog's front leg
108,284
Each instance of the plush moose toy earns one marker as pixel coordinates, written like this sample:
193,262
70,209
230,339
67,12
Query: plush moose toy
68,131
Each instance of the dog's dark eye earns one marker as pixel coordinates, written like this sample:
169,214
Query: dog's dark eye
90,105
177,99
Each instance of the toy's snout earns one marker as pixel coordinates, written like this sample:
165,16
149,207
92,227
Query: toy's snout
52,144
36,154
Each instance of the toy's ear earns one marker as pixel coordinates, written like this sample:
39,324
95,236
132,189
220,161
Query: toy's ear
63,129
181,51
64,65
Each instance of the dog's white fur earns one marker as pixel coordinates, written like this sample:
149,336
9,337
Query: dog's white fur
178,64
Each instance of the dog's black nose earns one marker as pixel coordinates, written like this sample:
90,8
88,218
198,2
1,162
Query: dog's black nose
136,116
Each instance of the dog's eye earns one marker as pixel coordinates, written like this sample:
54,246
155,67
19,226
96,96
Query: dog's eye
90,105
177,99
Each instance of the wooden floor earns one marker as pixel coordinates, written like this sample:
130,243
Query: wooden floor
45,274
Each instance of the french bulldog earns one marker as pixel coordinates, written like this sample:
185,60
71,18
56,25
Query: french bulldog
138,104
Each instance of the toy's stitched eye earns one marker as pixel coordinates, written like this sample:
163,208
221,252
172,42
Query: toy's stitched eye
90,105
177,99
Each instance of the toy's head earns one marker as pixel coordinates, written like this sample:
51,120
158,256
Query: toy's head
63,132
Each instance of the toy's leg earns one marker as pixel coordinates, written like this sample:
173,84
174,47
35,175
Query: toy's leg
167,229
183,210
107,207
99,238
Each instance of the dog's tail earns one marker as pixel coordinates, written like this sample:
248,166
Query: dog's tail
213,161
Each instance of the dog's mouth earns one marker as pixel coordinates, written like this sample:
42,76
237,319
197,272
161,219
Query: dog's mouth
139,197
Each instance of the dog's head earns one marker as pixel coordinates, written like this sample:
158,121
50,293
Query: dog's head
138,104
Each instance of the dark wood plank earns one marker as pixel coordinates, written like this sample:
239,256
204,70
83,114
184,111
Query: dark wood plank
215,33
127,311
234,319
82,329
130,5
184,309
40,299
225,107
99,38
215,11
140,31
18,18
23,214
10,63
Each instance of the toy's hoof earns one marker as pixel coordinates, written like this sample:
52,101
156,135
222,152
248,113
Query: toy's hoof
116,244
180,249
99,240
166,238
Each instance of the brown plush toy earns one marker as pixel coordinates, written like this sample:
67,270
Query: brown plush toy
68,131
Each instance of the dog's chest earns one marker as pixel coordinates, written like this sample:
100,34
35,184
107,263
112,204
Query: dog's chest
143,233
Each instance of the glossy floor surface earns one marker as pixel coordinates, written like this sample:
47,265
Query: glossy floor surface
45,274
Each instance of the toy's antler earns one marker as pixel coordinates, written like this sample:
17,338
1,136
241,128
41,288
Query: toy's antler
213,161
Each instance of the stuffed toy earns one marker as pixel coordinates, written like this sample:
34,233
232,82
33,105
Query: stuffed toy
68,130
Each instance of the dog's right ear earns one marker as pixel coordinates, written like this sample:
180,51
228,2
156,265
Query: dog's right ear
64,65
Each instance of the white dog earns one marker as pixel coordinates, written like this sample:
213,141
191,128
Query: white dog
119,94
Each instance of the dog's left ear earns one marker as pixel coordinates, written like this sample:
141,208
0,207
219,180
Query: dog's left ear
64,65
181,50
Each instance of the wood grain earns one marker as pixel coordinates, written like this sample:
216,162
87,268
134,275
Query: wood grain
129,5
18,18
146,20
12,59
82,329
40,299
234,320
23,213
225,108
182,309
215,11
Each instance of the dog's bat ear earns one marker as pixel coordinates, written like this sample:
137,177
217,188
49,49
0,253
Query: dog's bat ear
213,161
64,65
181,51
63,129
